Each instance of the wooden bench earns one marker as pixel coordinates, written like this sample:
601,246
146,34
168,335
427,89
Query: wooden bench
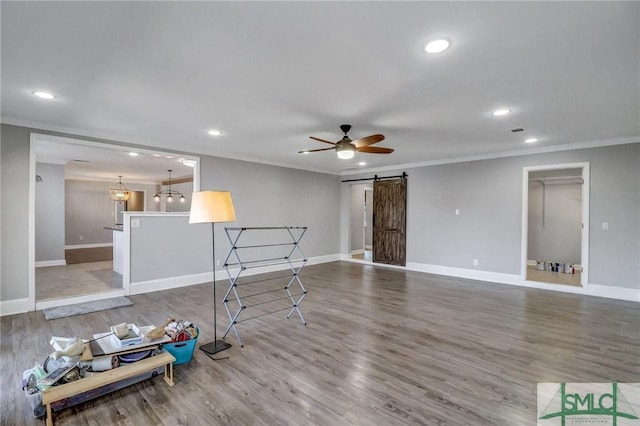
58,393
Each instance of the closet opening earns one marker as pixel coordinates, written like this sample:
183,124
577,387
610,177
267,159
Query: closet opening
555,224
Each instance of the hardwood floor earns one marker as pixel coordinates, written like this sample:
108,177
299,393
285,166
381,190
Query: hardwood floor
382,347
553,277
53,282
92,254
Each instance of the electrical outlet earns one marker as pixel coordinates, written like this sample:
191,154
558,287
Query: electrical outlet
217,262
475,262
457,211
605,226
81,238
135,223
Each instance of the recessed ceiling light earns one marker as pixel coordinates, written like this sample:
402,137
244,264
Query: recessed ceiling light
168,156
305,152
214,132
188,163
531,140
362,163
437,46
501,111
133,154
43,95
156,155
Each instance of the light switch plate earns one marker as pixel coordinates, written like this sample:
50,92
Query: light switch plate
605,226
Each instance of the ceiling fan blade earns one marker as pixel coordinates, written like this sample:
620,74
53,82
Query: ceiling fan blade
314,150
321,140
374,150
369,140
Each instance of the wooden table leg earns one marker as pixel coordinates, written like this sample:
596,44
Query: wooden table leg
49,415
168,374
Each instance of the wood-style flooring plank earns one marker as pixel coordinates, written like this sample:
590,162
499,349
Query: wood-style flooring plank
381,347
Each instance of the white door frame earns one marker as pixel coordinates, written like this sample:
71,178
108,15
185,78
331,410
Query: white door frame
124,291
584,249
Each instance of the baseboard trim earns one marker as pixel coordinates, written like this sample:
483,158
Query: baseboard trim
81,246
173,282
14,306
361,251
45,263
221,275
598,290
611,292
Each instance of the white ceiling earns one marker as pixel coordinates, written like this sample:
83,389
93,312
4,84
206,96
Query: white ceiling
270,74
97,162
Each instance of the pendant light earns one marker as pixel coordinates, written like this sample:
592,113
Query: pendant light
120,193
169,193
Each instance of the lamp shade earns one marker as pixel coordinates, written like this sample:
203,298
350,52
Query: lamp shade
211,207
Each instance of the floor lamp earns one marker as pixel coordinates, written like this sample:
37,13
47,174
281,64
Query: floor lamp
212,207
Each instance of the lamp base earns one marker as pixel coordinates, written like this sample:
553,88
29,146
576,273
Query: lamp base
215,347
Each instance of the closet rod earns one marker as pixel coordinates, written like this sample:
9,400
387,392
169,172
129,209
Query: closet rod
376,177
558,179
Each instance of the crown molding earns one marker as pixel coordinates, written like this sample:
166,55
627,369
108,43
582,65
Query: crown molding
496,155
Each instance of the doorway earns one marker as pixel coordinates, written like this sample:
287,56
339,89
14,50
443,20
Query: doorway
377,218
71,212
555,224
361,218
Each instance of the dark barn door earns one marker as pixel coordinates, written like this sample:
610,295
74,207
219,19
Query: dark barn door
389,221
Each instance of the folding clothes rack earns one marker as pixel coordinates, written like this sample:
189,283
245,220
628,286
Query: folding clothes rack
254,248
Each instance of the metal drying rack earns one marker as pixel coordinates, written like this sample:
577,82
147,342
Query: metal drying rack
253,255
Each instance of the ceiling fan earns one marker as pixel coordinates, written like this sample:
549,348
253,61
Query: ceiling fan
346,148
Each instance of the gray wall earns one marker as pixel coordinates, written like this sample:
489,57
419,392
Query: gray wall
357,217
49,212
169,247
15,220
185,189
489,196
368,232
263,196
558,237
277,196
89,208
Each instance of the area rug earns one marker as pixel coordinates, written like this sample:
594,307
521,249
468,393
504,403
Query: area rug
85,308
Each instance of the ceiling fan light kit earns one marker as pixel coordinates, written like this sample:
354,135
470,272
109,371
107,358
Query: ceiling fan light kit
346,148
345,153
